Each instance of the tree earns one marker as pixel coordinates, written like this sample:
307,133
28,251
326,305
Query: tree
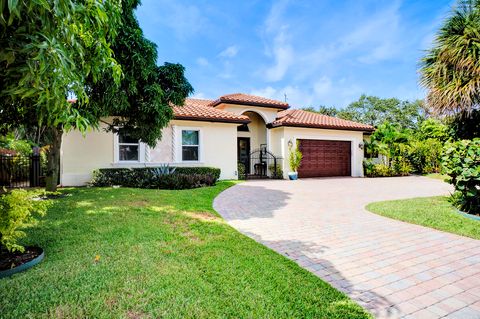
450,70
465,126
48,49
325,110
142,103
433,128
375,111
140,97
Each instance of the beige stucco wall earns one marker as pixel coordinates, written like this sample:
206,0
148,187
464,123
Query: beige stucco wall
285,134
257,131
82,154
163,151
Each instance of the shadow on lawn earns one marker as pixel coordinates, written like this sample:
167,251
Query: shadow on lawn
309,256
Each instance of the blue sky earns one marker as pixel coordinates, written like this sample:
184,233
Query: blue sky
315,52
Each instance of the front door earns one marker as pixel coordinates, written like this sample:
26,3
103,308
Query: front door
243,152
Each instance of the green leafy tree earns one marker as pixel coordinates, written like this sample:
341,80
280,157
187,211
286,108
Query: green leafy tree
47,51
140,97
325,110
375,111
465,126
142,103
450,70
433,128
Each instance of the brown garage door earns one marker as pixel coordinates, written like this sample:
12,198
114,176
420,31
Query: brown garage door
325,158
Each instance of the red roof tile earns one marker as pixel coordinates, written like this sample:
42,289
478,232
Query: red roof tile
199,110
247,99
301,118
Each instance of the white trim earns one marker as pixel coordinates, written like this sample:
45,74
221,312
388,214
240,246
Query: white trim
179,144
353,144
255,110
116,151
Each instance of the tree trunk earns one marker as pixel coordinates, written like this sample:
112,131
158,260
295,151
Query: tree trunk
53,158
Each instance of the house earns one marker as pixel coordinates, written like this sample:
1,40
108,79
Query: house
236,128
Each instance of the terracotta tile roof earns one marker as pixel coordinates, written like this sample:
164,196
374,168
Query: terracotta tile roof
198,102
199,110
247,99
301,118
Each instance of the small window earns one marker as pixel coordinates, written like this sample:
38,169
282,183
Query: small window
190,145
243,128
128,147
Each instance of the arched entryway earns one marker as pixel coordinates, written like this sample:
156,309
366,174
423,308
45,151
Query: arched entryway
252,148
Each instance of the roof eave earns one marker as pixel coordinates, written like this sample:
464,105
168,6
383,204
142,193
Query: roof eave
210,119
273,106
327,127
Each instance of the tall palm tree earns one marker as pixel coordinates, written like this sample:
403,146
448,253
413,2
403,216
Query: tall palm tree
450,71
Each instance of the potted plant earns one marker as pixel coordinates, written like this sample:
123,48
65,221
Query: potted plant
295,160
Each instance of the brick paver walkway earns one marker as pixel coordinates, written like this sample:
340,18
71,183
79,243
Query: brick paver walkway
393,269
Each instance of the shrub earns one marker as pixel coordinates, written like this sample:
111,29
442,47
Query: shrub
17,212
157,177
372,169
295,158
425,156
276,171
461,161
401,167
241,171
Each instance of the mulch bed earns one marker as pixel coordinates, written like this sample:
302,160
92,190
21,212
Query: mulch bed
11,260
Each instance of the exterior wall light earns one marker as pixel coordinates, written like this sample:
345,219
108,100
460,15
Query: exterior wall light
361,145
290,144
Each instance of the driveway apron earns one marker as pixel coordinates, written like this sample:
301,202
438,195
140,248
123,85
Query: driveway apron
393,269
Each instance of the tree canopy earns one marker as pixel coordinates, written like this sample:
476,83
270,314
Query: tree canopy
450,70
93,50
142,102
375,111
48,49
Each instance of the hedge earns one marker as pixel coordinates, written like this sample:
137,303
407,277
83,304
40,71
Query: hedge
148,177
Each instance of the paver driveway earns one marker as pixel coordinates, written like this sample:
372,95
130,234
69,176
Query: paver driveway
393,269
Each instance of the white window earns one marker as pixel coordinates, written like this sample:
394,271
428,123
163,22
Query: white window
128,149
190,145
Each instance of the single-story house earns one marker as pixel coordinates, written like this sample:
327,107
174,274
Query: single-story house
236,128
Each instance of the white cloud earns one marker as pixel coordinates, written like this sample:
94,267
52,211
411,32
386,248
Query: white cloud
324,91
267,92
199,95
322,86
202,61
229,52
278,43
283,55
186,20
378,37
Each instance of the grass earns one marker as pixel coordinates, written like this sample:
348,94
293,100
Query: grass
439,176
161,254
434,212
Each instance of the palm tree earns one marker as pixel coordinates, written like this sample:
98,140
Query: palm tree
450,71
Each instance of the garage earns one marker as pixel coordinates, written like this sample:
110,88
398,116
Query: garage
323,158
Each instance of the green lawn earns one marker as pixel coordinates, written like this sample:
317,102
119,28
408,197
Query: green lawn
434,212
162,254
439,176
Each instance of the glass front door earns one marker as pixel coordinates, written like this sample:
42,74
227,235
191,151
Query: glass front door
243,152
